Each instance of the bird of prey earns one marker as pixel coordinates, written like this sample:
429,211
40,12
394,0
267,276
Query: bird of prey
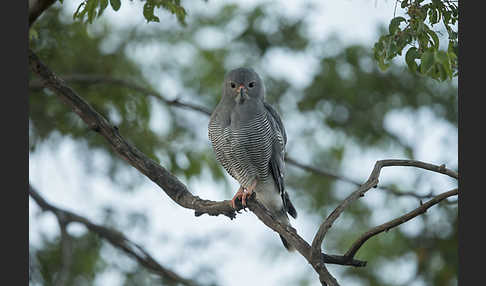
248,138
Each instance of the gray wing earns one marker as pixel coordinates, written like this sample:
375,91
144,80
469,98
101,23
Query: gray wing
277,123
277,163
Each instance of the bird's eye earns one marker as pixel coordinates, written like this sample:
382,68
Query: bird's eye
252,84
233,85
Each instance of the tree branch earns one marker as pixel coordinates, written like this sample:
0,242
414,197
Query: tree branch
329,174
114,237
102,79
164,179
290,234
179,193
36,7
395,222
159,175
371,182
36,84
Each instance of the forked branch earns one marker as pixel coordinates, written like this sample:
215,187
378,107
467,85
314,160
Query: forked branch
370,183
396,222
88,79
178,192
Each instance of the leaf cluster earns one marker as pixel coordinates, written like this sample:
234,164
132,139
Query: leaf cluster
91,9
415,31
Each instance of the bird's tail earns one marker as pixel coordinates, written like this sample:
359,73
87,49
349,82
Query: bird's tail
288,246
268,195
284,219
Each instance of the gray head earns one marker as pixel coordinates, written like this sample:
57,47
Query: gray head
243,83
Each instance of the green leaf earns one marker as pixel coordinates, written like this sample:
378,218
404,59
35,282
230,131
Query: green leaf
403,40
433,35
451,50
447,17
423,40
410,57
442,73
444,61
115,4
426,62
91,7
433,16
382,65
148,12
103,5
452,34
395,24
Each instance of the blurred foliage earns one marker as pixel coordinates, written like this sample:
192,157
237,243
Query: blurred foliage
345,103
355,98
72,49
140,276
85,259
416,30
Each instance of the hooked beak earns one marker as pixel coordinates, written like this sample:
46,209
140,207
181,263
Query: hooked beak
242,95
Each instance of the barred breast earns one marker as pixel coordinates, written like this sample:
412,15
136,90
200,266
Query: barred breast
220,136
245,149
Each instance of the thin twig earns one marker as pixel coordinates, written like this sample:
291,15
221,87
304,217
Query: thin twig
36,84
395,222
330,174
395,9
370,183
102,79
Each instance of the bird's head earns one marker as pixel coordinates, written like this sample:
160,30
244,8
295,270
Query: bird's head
242,84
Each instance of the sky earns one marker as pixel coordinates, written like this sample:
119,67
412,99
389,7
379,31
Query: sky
60,177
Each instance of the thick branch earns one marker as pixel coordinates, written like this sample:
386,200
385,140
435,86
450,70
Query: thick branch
300,244
371,182
159,175
116,238
395,222
169,183
36,7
